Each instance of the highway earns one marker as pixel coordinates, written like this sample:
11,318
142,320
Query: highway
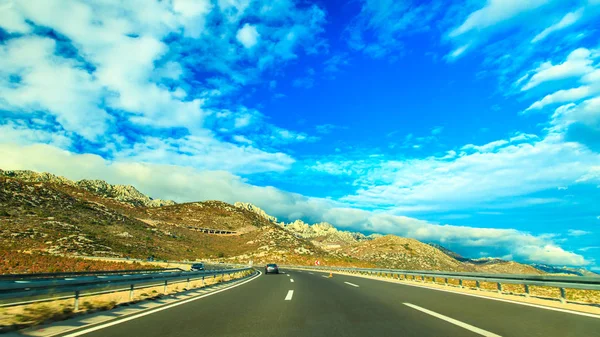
302,303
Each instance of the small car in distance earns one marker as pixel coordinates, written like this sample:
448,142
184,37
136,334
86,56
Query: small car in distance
271,268
197,267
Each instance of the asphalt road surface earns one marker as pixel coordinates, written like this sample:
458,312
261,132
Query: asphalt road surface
302,303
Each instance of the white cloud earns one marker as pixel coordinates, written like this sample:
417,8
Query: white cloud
52,83
111,69
248,36
591,175
12,22
585,249
20,133
204,152
562,96
578,63
568,20
492,172
587,113
242,139
487,147
577,232
437,130
379,28
495,12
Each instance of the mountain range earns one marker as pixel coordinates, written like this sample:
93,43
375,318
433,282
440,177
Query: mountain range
49,214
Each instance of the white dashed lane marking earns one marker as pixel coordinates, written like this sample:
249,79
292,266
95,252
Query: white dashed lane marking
289,295
352,284
454,321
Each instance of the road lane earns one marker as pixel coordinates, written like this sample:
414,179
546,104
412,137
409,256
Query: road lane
502,318
321,306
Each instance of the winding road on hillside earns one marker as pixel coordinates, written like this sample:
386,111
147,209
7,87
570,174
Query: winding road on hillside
303,303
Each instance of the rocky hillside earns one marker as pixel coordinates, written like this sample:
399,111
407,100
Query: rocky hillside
47,214
49,217
123,193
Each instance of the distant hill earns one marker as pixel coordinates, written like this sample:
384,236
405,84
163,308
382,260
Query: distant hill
492,265
564,270
447,251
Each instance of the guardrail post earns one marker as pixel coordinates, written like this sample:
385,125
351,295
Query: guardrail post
165,288
460,285
131,292
477,285
563,295
499,287
202,281
188,284
445,281
76,304
526,286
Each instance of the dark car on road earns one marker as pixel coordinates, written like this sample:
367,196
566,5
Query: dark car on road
197,267
271,268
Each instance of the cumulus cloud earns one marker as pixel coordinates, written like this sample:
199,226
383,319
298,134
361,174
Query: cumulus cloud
188,184
104,76
248,36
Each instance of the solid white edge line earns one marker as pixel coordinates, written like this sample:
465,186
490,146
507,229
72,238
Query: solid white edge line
352,284
169,306
454,321
289,295
292,280
485,297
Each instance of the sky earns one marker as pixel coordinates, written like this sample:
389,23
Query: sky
472,124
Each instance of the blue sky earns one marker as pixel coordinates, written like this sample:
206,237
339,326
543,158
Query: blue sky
474,124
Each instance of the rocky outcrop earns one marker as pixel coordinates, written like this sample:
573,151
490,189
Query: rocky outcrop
322,234
252,208
34,177
124,193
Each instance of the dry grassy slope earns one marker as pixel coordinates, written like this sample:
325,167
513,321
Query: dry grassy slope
391,251
208,214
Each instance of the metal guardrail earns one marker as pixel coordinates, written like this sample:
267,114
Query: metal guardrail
560,282
35,290
5,277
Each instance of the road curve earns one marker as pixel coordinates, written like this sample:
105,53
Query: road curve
315,305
